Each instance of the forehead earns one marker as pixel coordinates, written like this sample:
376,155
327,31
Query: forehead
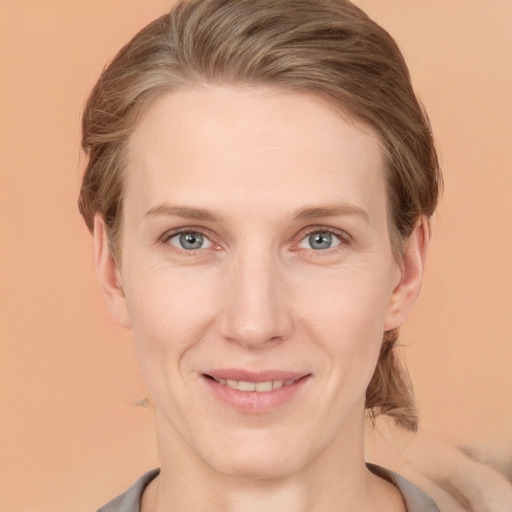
247,146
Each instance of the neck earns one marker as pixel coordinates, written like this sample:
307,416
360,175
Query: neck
337,479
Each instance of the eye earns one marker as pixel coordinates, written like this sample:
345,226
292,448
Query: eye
189,241
320,241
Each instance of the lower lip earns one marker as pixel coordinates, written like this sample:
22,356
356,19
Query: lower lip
256,401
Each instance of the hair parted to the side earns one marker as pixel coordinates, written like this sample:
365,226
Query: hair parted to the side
325,47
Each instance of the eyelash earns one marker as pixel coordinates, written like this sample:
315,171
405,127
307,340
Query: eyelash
190,253
343,237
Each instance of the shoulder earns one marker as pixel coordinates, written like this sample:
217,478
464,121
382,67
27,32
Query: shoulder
415,499
129,501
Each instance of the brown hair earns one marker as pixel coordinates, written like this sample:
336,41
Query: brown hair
324,47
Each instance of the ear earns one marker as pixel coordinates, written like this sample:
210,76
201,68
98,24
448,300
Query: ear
109,275
411,265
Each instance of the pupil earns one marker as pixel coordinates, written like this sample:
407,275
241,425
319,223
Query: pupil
320,240
191,240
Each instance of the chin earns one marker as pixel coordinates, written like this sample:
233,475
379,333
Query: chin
257,458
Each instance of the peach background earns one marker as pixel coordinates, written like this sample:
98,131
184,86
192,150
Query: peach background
70,439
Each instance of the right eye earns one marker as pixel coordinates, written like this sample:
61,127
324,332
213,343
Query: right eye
189,241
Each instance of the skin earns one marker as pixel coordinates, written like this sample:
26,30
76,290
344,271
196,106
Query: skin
270,168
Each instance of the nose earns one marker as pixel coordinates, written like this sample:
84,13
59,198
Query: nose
257,311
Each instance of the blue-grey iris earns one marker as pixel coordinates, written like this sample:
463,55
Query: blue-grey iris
319,241
191,241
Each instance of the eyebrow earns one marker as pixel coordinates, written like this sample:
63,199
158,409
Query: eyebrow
313,212
185,212
335,210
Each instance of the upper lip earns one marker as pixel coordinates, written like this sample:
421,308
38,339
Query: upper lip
254,376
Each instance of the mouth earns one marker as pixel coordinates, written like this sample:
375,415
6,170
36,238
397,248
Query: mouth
244,385
255,392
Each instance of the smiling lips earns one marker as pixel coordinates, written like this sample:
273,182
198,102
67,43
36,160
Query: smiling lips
268,385
255,392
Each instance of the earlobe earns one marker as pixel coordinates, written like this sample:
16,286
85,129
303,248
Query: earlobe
108,273
411,273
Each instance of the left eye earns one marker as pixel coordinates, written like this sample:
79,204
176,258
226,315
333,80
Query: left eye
320,240
189,241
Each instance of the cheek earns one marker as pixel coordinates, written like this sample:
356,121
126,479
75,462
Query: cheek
346,302
170,311
345,316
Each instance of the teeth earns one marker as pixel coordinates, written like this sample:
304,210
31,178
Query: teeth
246,386
232,383
255,386
264,386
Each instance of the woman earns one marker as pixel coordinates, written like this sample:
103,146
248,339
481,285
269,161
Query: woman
260,182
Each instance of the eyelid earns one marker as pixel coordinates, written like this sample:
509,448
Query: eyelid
343,237
207,243
179,231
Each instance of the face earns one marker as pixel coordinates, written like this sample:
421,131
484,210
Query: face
256,274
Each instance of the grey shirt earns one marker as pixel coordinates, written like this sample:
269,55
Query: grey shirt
415,499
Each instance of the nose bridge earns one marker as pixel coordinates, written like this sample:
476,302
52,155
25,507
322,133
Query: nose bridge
256,311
